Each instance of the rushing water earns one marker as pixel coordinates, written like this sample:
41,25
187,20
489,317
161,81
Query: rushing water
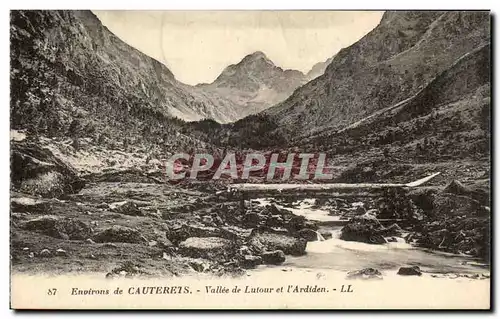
345,256
337,254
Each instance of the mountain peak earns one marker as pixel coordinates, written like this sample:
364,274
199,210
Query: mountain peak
258,53
257,56
256,63
255,83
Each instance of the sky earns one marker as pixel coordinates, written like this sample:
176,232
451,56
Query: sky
197,45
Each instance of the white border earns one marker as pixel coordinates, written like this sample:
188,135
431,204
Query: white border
255,4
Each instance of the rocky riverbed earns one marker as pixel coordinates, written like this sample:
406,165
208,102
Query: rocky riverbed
124,223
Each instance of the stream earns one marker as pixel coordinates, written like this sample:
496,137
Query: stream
339,255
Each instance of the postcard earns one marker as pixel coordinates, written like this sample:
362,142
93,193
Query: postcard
250,159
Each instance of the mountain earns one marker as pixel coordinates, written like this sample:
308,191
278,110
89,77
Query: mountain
393,62
410,98
71,76
318,69
447,120
254,84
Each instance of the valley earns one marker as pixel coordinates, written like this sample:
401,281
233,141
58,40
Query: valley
93,122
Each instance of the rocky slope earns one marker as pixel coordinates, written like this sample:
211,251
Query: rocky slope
448,118
318,69
391,63
254,84
71,76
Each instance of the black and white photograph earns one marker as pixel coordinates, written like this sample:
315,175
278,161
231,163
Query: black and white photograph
250,159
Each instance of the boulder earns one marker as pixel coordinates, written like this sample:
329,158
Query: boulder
268,240
250,261
119,234
410,271
457,234
37,171
326,234
366,273
455,205
276,257
457,188
295,223
480,190
29,205
45,224
308,234
362,229
212,248
65,228
126,208
183,232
